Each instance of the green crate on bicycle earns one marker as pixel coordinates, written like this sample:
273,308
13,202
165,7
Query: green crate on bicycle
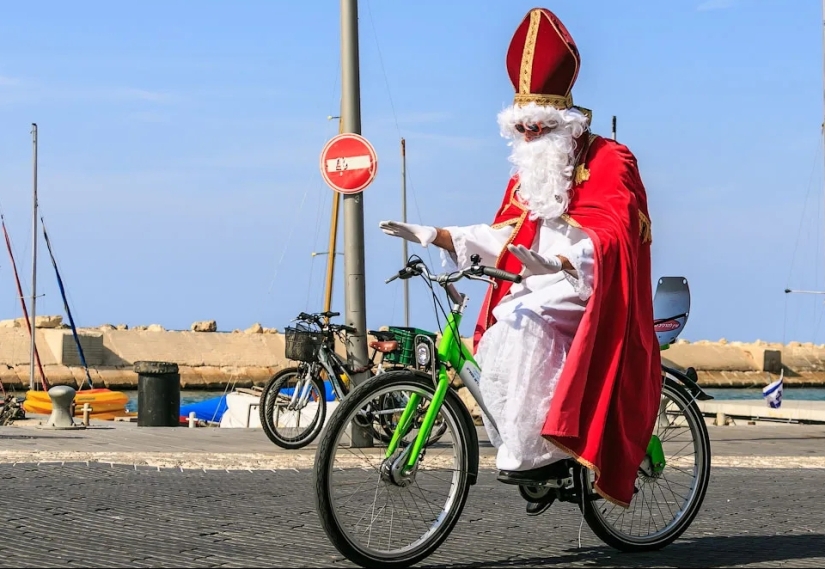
405,354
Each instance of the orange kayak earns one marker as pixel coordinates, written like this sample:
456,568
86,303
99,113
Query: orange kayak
105,403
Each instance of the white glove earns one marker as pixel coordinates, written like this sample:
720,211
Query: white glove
533,262
421,234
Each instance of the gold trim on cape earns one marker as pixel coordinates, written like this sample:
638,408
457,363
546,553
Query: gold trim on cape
570,221
518,222
591,466
645,228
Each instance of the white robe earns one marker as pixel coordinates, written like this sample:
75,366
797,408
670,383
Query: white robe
522,354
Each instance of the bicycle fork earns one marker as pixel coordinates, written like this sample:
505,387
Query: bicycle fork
300,395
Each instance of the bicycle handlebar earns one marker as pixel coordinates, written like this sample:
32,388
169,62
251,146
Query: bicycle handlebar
317,316
475,271
500,274
344,327
317,319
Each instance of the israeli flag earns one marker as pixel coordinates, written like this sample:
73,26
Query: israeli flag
773,392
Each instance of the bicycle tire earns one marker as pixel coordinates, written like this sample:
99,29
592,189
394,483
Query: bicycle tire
339,422
267,391
625,543
267,407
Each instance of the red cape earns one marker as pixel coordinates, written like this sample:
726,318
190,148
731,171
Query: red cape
607,398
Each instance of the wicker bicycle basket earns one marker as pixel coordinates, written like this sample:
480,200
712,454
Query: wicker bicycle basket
302,345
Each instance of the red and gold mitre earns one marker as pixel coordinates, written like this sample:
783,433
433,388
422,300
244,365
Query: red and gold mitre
543,61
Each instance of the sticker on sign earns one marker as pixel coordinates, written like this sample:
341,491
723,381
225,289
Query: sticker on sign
348,163
354,163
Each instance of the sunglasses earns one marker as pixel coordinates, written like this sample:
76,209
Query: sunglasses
534,128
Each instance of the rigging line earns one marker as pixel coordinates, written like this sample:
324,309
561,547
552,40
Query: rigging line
817,230
297,219
66,306
288,241
805,206
395,116
59,266
818,325
309,285
322,202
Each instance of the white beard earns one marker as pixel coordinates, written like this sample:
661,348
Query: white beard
545,165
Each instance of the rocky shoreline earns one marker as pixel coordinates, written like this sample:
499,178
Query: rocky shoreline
211,360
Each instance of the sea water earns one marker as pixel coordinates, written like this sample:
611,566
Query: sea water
790,394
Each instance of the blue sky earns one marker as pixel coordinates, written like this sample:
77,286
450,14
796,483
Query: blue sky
179,149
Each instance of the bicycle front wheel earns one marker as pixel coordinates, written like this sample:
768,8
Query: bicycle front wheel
375,516
293,407
668,497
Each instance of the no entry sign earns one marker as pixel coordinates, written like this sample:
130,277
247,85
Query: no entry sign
348,163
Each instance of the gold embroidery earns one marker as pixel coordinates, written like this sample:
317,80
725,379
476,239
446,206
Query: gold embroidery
504,223
556,101
513,201
519,223
586,112
589,465
526,70
525,95
645,228
569,220
581,174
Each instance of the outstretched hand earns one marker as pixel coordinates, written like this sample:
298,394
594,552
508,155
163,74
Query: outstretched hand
421,234
533,262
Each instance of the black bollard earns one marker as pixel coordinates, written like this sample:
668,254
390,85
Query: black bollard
158,394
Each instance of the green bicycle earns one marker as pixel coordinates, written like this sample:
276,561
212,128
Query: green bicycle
393,504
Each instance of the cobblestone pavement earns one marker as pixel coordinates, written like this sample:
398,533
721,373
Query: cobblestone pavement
99,515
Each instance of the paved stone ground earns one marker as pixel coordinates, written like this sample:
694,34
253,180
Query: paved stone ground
261,512
99,515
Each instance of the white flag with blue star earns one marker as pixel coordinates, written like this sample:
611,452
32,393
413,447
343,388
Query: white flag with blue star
773,392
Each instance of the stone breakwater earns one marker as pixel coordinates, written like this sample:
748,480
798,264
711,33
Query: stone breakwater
208,359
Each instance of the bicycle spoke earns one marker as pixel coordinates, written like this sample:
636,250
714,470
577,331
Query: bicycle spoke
663,498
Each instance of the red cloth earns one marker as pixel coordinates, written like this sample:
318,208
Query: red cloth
607,397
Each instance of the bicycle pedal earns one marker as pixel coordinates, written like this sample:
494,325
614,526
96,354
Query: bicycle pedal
559,483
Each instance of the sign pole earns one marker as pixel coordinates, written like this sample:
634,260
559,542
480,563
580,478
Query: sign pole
404,219
354,283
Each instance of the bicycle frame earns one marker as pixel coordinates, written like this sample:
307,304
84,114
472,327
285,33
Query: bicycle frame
329,360
338,372
451,350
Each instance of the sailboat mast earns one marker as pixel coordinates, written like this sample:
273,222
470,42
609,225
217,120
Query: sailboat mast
333,239
404,220
33,348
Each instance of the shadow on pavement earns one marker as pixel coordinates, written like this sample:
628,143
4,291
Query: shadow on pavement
738,550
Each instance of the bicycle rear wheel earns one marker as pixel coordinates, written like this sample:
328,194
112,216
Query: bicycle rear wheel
293,407
667,501
377,517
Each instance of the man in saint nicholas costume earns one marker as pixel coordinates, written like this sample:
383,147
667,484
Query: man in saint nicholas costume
569,357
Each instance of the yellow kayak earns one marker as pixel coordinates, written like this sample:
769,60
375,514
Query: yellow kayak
105,403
